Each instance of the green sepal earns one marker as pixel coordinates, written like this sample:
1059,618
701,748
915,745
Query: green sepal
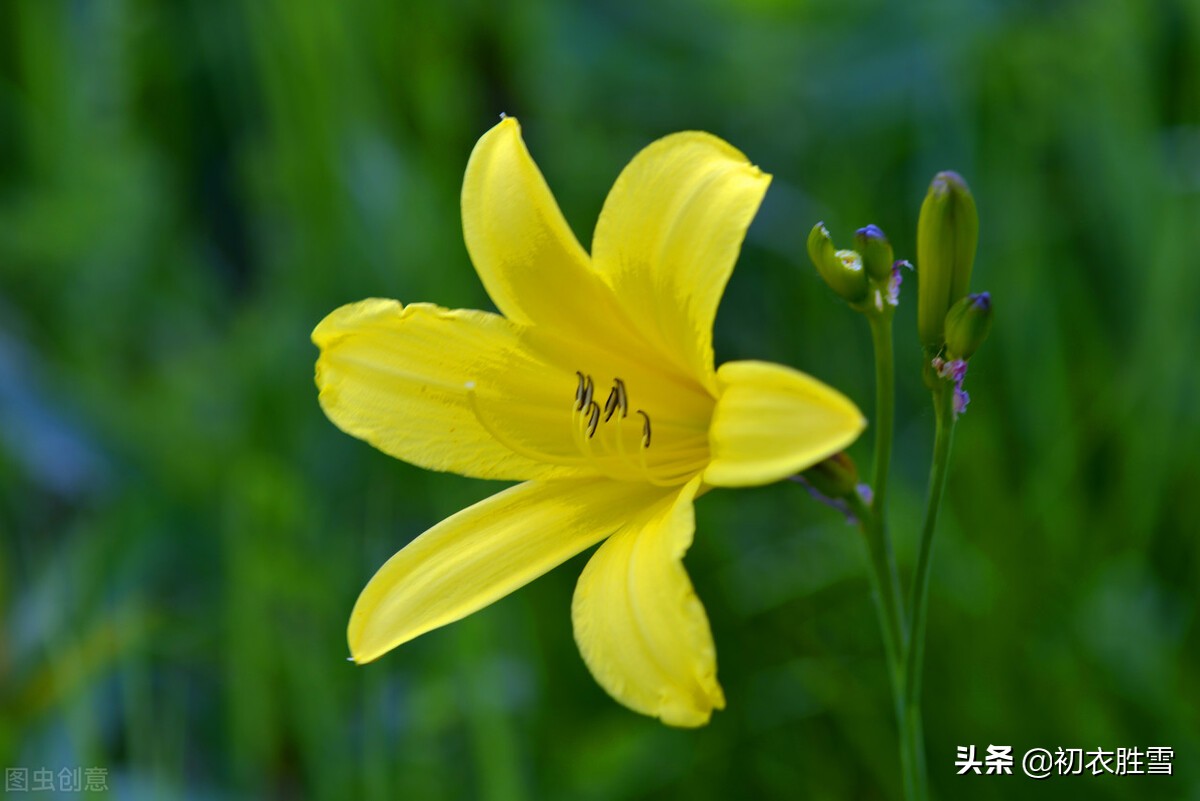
842,270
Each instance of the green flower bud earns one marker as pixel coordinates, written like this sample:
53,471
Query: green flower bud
836,477
947,233
841,269
876,252
967,325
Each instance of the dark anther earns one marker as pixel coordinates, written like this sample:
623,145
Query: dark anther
617,399
593,418
579,393
645,429
588,390
610,405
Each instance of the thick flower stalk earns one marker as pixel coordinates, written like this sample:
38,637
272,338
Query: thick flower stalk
595,387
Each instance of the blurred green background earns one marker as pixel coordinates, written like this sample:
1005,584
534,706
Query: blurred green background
186,188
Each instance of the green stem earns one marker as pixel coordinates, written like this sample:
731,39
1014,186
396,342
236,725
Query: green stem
885,580
885,589
883,556
885,403
943,400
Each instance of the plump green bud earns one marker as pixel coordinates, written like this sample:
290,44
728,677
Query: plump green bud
841,269
876,252
836,477
967,325
947,233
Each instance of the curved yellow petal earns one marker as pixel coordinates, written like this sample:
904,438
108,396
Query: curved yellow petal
530,262
640,627
669,234
772,421
396,377
483,553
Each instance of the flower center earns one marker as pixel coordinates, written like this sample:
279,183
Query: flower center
614,443
664,446
618,400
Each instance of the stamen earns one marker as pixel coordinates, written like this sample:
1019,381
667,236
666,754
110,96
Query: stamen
579,393
617,399
593,419
610,405
587,394
622,398
608,453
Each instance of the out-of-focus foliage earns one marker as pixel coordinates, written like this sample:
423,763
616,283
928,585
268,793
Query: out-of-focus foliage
186,188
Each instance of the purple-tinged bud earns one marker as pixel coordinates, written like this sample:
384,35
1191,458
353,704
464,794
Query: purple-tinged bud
947,233
836,477
841,269
877,256
967,325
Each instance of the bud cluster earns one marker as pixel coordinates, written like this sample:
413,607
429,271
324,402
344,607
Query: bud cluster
867,278
952,324
947,233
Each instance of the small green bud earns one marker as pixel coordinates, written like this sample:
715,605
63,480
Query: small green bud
947,233
841,269
836,477
876,252
967,325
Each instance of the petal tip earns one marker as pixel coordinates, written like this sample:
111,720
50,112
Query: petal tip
507,124
692,712
358,637
343,319
360,654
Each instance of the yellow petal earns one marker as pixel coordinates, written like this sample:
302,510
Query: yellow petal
483,553
396,377
669,235
772,421
639,625
530,262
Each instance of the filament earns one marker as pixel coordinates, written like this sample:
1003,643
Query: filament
513,446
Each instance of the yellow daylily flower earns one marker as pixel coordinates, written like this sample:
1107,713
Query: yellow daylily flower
595,387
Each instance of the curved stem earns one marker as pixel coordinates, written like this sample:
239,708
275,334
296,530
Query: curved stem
885,580
943,399
885,403
883,556
886,590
